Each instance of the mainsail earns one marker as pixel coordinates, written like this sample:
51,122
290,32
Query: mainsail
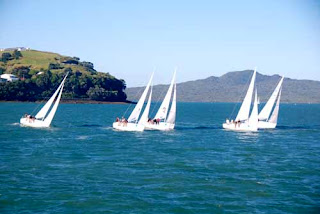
243,113
172,113
43,112
274,116
136,111
145,114
54,108
163,110
266,111
253,120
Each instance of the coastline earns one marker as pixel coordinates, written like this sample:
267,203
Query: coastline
66,101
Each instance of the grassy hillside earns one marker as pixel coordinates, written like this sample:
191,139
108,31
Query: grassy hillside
40,72
39,60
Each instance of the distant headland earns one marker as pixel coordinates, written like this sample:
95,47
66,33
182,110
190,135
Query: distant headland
231,87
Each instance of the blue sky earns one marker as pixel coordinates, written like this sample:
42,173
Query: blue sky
202,38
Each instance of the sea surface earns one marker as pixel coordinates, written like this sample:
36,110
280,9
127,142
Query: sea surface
81,165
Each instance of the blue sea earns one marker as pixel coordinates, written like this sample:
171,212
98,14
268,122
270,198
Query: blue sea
81,165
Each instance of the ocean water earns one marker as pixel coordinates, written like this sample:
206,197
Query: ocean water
81,165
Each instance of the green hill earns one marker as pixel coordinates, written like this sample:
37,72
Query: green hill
41,72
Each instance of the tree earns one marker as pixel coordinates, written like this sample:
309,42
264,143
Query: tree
53,66
16,54
6,57
44,81
88,66
68,70
97,93
22,72
2,70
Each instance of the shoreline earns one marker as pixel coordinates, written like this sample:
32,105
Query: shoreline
128,102
73,102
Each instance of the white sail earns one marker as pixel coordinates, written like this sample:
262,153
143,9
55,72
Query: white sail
163,110
172,113
266,111
145,114
274,116
54,109
243,113
43,112
137,110
253,120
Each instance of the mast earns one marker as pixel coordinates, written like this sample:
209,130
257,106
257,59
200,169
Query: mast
243,113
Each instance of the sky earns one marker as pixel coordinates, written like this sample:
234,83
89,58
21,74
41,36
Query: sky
130,39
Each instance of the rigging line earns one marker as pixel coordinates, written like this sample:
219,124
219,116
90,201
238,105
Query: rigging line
37,107
243,90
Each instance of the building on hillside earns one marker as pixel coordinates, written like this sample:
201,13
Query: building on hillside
9,77
13,49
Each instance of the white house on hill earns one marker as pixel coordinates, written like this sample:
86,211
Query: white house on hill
9,77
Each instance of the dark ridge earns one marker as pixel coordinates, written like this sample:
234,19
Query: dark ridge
232,86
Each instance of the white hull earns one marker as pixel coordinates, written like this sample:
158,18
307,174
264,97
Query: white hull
266,125
241,127
162,126
33,123
131,127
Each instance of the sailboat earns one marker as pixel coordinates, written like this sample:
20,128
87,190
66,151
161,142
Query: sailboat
43,119
134,123
265,120
243,122
163,120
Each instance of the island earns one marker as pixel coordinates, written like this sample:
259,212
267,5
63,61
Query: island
31,75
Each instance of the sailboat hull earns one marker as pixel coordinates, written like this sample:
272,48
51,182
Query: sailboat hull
162,126
34,123
131,127
241,127
266,125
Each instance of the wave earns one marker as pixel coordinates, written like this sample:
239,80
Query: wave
196,127
89,125
82,137
298,127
